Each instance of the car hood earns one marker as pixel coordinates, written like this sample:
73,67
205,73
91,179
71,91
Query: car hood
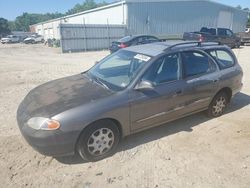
5,38
29,38
60,95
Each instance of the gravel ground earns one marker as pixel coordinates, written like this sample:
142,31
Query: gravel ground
192,152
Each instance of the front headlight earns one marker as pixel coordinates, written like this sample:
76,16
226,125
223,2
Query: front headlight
40,123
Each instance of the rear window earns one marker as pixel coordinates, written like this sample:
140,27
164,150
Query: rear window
212,31
151,38
224,59
125,39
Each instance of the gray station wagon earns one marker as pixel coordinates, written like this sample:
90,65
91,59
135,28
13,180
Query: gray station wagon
129,91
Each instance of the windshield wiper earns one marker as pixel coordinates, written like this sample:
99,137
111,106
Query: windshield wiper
98,80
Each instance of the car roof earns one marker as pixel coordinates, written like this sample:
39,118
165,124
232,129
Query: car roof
157,48
131,37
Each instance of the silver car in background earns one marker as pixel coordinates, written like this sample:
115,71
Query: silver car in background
10,39
129,91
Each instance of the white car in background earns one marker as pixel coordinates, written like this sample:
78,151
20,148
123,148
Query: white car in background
10,39
33,39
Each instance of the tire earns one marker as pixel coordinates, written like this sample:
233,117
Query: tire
218,105
98,141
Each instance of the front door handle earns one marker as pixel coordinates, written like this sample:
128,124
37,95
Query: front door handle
178,92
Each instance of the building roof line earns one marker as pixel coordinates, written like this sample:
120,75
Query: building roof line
83,12
210,1
131,1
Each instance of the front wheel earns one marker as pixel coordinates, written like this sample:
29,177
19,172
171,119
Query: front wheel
99,140
218,105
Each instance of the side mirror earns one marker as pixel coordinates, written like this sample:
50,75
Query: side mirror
144,85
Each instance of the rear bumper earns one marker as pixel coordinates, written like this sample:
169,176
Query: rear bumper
237,90
245,40
50,143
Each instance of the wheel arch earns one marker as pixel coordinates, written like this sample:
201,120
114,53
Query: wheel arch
115,121
228,91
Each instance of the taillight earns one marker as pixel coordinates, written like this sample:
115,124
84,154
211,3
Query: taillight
122,45
201,39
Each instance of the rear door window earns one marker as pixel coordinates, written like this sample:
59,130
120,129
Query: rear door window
222,32
196,63
224,59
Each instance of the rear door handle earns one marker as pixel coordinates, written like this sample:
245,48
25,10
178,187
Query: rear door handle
215,80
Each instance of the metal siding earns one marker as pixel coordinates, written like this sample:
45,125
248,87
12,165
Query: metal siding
175,18
112,15
162,18
239,19
80,37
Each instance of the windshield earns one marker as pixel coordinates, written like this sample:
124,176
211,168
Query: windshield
116,71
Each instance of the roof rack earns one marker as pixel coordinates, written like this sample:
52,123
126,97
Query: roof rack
199,44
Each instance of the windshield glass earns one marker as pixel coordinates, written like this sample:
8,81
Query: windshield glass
116,71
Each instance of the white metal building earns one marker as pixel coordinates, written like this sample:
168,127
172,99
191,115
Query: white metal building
157,17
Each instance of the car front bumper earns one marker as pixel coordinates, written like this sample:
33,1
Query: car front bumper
50,143
5,41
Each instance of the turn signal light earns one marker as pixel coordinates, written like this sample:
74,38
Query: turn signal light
51,125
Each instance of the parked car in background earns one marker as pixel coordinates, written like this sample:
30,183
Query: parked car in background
132,41
33,39
10,39
22,38
245,36
128,91
221,35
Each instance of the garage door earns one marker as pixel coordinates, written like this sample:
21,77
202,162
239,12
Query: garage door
225,20
51,34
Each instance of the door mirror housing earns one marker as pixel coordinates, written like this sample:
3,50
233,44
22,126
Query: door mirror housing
144,85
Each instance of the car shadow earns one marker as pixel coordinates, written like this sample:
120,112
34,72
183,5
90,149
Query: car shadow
184,124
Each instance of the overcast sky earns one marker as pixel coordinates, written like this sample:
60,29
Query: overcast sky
10,9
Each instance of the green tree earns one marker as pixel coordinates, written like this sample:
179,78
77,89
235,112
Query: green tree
86,5
239,7
4,27
23,22
12,25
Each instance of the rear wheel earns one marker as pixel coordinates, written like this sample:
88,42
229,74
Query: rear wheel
99,140
218,105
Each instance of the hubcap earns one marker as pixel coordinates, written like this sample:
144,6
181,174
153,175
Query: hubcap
219,106
101,141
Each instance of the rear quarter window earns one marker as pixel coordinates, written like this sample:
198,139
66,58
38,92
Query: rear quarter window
224,58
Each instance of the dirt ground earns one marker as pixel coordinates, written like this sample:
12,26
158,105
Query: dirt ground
192,152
